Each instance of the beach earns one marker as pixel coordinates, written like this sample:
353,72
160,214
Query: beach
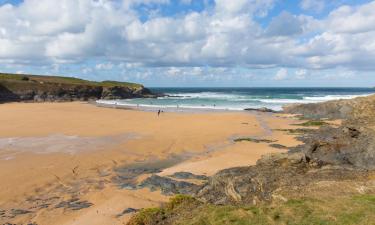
64,162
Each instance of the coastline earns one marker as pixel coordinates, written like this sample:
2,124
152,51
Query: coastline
117,138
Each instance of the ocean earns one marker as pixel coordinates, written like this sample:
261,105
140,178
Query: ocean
238,98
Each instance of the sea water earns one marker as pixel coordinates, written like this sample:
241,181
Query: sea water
238,98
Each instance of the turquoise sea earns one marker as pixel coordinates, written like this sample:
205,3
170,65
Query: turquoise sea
239,98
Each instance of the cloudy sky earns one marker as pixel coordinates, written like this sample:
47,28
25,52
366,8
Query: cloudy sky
193,42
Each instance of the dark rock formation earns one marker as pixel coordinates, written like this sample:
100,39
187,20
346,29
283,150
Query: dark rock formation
279,146
168,186
127,211
262,109
188,175
123,93
74,204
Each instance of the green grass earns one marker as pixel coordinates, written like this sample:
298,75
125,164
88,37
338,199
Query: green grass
359,210
63,80
312,123
5,76
117,83
298,131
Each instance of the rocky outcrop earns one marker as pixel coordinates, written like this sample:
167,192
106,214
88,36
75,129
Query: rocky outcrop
347,145
118,92
329,154
333,163
40,88
272,174
361,107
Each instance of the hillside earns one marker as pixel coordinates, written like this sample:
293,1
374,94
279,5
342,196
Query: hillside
24,87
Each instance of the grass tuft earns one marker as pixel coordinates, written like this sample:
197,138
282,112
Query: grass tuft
312,123
253,140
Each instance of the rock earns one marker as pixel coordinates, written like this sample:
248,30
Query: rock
126,175
279,146
74,204
341,146
168,186
127,211
17,212
262,109
187,175
359,109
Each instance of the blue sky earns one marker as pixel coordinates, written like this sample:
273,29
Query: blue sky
192,42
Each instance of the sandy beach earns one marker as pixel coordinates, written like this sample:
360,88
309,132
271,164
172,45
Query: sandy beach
62,162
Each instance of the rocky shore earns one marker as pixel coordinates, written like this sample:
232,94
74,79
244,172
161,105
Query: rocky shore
15,88
334,167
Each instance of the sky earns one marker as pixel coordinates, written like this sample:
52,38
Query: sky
193,43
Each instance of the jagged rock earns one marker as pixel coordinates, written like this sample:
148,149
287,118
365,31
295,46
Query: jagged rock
168,186
187,175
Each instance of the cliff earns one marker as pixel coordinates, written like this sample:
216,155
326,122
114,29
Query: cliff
22,87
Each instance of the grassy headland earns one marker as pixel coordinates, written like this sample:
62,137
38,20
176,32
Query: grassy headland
25,87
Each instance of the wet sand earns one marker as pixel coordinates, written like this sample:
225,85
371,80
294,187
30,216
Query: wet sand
60,162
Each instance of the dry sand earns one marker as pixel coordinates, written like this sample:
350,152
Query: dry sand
54,152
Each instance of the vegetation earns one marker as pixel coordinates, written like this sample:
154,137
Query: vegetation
188,211
312,123
298,131
253,140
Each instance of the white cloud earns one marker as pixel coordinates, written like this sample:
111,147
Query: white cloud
173,71
285,24
281,74
301,74
104,66
86,70
350,19
314,5
46,32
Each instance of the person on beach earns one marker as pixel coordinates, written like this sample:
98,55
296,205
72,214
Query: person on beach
159,112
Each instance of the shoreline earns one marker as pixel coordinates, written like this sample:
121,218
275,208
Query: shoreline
175,109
